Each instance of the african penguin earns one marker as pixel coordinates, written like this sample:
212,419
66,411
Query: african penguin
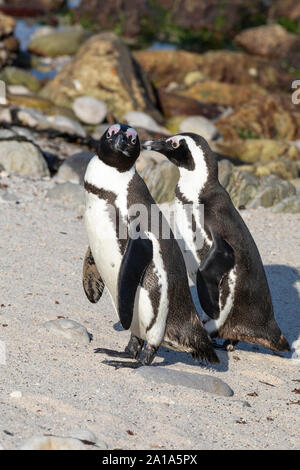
226,266
145,274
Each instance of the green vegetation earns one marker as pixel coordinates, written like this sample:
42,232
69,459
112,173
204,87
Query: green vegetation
290,25
246,133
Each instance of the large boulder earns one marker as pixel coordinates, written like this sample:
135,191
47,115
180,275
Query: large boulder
240,185
288,12
16,76
272,41
288,205
273,117
58,43
105,69
161,179
225,94
23,158
166,66
258,150
173,105
271,191
8,42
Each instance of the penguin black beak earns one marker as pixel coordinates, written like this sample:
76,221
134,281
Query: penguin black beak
121,144
158,145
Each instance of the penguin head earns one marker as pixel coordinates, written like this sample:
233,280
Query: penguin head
119,147
188,151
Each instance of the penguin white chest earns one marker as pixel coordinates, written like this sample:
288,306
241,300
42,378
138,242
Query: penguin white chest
103,241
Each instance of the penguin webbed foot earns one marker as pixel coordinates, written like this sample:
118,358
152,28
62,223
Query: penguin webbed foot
146,357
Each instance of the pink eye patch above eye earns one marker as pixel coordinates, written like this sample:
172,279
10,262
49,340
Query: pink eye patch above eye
174,141
131,133
113,130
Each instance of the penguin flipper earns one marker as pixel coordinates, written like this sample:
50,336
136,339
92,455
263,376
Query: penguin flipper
93,284
136,259
218,262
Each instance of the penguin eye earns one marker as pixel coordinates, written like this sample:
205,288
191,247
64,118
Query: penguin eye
174,142
113,130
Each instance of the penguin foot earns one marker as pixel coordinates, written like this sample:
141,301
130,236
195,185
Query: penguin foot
228,345
134,346
145,359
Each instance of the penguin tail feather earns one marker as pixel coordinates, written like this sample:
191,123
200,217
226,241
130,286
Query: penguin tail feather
282,345
200,344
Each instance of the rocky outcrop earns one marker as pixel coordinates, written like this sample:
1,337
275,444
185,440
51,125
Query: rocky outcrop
173,105
225,94
259,150
23,158
18,76
272,41
105,69
8,43
58,43
273,117
164,67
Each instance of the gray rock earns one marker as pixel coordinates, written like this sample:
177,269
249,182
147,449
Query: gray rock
161,179
74,168
69,329
23,132
99,131
140,119
33,118
52,443
65,124
225,169
206,383
68,193
199,125
242,187
8,197
89,110
272,190
289,205
18,90
23,158
148,157
6,133
5,114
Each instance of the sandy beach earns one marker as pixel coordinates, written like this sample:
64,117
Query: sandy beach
64,385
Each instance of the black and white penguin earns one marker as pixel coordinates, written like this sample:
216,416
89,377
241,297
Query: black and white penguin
145,275
226,266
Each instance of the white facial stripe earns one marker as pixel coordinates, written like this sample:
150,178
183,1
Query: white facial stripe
192,182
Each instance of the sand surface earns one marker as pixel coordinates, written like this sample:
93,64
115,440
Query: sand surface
65,386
